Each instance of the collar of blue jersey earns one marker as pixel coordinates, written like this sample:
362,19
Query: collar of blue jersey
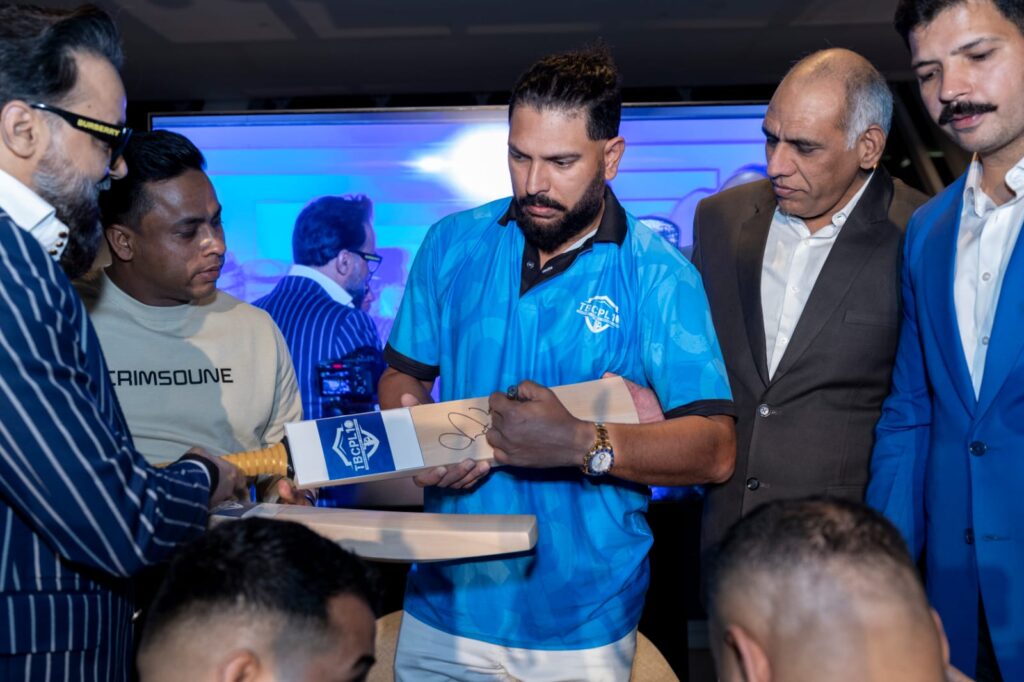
613,225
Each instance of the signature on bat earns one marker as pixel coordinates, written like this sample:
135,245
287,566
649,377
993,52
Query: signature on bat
468,425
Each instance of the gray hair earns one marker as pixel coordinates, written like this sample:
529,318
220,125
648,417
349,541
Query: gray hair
868,98
868,103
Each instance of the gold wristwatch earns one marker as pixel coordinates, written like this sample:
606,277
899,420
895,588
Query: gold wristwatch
599,460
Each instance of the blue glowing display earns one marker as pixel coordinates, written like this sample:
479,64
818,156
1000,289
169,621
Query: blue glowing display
420,165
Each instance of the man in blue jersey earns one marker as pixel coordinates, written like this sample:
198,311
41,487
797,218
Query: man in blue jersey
317,305
554,286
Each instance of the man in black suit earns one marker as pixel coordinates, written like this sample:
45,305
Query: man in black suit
802,273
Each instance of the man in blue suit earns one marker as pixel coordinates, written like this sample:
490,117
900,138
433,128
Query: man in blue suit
80,510
949,452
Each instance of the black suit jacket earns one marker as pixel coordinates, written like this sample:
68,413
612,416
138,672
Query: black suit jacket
810,429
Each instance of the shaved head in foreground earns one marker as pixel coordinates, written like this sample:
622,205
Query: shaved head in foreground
821,589
261,601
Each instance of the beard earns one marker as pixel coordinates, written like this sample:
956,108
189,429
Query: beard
548,238
75,198
358,296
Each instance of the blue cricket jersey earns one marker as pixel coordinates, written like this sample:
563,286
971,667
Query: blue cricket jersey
478,314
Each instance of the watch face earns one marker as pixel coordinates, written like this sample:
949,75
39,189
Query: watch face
601,461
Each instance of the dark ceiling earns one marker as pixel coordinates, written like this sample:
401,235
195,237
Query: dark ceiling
236,54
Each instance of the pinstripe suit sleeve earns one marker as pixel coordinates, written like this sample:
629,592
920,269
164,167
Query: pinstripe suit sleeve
67,463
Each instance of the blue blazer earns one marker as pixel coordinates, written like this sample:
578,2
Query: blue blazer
947,467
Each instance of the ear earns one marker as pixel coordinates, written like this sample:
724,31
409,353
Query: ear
613,150
21,130
942,636
870,146
241,665
122,242
753,661
343,263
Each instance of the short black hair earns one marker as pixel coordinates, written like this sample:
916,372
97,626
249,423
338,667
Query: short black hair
585,79
38,46
278,570
151,157
328,225
913,13
784,536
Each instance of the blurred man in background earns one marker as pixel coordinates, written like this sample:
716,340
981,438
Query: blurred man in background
318,306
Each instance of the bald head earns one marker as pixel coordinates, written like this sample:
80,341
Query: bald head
820,589
867,101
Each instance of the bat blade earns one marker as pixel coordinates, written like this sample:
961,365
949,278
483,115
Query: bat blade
403,536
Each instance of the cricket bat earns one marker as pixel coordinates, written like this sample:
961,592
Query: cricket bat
403,442
402,536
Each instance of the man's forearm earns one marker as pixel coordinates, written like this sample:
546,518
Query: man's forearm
682,451
394,384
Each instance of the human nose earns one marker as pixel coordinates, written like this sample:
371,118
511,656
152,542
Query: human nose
214,243
780,161
955,84
537,179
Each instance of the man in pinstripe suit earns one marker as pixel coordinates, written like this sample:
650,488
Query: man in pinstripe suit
317,305
80,510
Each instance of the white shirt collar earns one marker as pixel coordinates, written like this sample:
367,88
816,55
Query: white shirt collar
839,218
33,214
579,242
333,289
974,196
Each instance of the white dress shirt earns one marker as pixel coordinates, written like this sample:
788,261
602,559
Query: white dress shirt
793,258
333,289
33,214
987,236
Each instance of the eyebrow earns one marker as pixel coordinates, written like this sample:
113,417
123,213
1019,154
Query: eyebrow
564,156
188,221
798,141
960,50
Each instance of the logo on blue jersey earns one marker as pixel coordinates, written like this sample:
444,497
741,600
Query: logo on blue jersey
600,313
353,447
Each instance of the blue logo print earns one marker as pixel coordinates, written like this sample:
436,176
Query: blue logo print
355,445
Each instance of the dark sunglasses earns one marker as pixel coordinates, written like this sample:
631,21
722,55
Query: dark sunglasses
373,260
113,136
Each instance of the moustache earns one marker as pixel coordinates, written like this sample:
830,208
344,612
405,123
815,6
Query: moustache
955,109
540,200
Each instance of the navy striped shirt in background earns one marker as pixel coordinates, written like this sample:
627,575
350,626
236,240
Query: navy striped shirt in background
80,510
316,328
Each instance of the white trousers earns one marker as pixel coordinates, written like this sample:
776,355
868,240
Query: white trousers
426,654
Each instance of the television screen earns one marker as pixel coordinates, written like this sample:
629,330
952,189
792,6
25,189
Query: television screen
419,165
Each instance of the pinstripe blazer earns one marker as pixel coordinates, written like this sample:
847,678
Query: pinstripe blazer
316,328
80,510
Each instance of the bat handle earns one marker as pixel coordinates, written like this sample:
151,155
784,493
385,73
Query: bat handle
274,460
